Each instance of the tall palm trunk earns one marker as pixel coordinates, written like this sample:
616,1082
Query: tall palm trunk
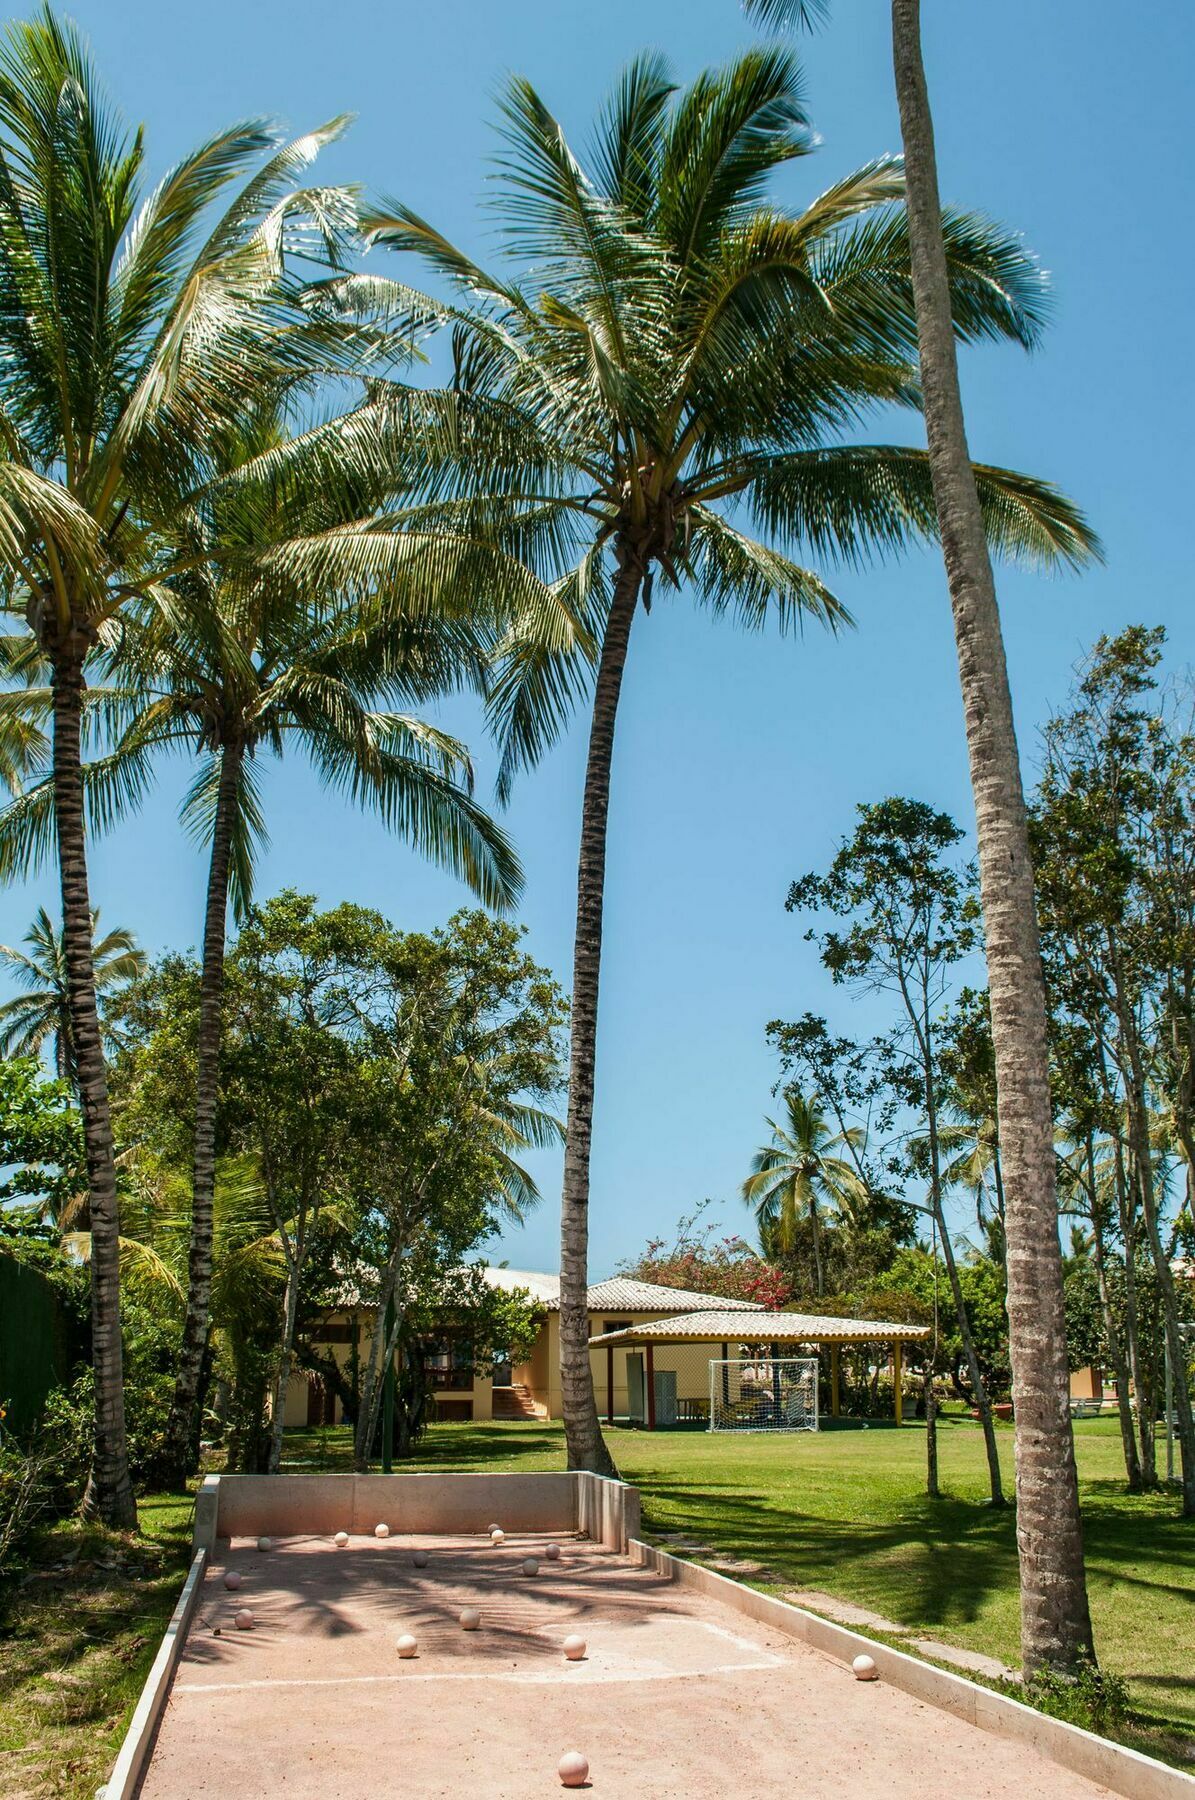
1055,1621
819,1273
583,1434
183,1428
109,1493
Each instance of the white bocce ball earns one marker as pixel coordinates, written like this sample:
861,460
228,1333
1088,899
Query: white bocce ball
406,1646
573,1769
574,1649
865,1669
381,1531
341,1539
497,1536
470,1618
244,1620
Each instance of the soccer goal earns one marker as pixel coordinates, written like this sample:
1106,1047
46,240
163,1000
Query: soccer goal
763,1393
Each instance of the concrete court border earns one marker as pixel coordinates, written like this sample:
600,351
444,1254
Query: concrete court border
133,1757
439,1504
1112,1765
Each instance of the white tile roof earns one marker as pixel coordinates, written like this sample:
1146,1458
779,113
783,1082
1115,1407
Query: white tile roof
619,1294
729,1325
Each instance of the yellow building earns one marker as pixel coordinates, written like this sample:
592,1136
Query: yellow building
526,1390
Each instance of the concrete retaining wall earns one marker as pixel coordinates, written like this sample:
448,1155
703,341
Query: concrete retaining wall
1122,1770
130,1765
299,1505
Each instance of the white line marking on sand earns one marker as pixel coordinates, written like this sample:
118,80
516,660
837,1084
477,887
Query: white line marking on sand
586,1677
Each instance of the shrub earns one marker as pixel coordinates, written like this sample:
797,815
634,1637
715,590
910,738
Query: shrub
1091,1697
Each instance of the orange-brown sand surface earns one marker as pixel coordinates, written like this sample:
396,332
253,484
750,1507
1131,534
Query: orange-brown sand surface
678,1695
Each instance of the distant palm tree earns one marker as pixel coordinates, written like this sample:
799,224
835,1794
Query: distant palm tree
43,1011
799,1175
675,362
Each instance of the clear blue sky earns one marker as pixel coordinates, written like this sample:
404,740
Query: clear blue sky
739,760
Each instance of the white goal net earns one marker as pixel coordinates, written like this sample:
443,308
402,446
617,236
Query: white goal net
763,1393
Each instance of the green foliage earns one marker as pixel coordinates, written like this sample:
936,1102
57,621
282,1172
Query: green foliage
916,1276
705,1262
41,1013
41,1144
1086,1340
377,1090
666,362
1091,1697
803,1175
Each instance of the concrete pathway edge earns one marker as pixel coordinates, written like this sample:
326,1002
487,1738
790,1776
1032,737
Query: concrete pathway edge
130,1764
1114,1766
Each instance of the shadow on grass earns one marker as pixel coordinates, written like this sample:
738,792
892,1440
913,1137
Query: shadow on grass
939,1559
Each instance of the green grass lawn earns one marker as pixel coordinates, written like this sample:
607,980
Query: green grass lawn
76,1642
845,1511
841,1511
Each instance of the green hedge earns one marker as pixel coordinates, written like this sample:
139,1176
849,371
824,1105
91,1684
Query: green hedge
42,1338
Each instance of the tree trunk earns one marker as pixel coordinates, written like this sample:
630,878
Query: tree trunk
183,1427
282,1380
1126,1207
978,1385
386,1334
819,1274
1184,1418
1055,1620
933,1490
109,1493
583,1434
1116,1356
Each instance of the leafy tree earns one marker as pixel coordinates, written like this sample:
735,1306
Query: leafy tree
916,1272
383,1085
1055,1618
971,1134
132,326
1115,831
909,917
799,1175
41,1146
672,361
42,1012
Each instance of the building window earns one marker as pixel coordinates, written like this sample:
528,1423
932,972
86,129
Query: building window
449,1364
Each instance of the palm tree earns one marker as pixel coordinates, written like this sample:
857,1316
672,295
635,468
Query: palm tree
684,361
798,1176
43,1011
271,642
131,325
1055,1618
